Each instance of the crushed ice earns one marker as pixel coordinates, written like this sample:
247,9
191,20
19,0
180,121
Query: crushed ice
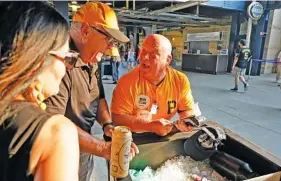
180,168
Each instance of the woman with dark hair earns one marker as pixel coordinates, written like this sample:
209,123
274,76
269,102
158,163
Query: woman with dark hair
33,49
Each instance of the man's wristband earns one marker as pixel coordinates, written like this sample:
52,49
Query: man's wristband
106,124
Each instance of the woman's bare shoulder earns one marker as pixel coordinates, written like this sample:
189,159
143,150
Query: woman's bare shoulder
56,131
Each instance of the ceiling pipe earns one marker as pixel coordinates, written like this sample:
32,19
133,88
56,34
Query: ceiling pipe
148,22
133,25
177,7
175,18
141,14
156,18
165,29
184,16
145,23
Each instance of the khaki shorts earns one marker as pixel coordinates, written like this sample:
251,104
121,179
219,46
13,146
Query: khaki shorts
239,72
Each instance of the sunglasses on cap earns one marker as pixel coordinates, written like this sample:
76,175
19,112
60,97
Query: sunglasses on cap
68,58
111,40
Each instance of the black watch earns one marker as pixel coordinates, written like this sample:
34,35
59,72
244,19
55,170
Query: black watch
106,124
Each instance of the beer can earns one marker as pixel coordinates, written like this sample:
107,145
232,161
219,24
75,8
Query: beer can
120,152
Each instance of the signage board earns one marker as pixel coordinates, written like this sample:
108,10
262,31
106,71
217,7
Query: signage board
231,5
211,36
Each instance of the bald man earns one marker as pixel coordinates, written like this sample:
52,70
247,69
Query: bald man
146,98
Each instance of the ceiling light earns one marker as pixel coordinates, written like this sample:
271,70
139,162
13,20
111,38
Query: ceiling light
74,7
204,21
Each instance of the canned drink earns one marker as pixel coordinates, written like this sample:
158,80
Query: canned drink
120,152
198,178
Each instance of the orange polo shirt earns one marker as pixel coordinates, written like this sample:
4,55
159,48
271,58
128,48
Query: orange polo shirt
135,96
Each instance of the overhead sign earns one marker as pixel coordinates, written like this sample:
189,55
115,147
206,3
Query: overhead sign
211,36
232,5
255,10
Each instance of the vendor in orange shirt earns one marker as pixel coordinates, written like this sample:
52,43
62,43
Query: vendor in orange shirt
146,98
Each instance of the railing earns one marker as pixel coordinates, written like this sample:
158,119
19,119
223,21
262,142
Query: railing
274,61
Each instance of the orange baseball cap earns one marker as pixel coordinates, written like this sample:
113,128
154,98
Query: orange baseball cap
100,15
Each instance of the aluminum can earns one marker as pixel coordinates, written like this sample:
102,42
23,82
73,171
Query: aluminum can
120,152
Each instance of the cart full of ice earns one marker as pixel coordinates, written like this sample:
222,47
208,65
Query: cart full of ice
209,153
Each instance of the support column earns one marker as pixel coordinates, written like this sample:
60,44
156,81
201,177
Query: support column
135,31
273,41
235,28
257,42
62,8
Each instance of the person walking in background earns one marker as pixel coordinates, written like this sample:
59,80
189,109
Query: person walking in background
115,62
278,67
101,63
242,56
122,52
131,56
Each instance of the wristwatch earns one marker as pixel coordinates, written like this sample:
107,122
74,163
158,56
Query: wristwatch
106,124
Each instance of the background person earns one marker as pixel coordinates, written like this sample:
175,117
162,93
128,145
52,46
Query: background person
131,57
240,62
122,51
278,67
115,62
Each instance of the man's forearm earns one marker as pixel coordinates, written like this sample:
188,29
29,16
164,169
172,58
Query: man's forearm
235,61
135,124
89,143
103,112
186,114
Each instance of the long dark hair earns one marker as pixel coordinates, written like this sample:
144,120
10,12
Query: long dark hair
28,31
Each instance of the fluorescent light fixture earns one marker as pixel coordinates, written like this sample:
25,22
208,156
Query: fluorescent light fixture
204,21
74,6
178,0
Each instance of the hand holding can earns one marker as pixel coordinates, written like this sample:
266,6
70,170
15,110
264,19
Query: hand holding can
121,152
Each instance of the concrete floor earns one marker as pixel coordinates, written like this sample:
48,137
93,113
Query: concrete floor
254,115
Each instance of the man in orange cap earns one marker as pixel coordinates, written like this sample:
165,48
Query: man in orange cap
146,98
81,98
